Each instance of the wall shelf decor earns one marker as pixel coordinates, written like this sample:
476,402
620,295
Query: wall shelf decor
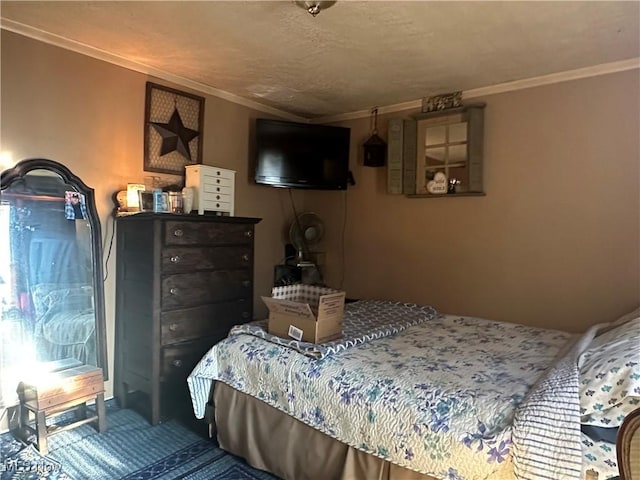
436,147
442,102
173,126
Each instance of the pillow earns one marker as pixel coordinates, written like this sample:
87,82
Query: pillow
39,295
69,327
48,295
610,374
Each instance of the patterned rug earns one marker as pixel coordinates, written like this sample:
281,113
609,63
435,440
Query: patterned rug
129,449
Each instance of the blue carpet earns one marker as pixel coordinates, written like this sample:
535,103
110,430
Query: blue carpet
130,449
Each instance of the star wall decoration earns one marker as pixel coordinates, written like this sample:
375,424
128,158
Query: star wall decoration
175,136
172,130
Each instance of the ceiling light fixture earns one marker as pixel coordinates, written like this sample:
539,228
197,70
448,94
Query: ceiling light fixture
314,7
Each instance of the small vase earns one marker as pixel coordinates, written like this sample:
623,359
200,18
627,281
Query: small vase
187,199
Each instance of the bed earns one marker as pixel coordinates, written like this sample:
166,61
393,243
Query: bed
409,393
64,325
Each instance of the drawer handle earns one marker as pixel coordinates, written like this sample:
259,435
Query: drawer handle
173,327
178,233
217,189
174,291
245,315
246,283
217,197
245,257
248,233
218,173
217,180
217,205
175,259
177,363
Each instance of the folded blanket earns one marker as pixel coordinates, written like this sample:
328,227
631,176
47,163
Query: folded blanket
364,321
546,428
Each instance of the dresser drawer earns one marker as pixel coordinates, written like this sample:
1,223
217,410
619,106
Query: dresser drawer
216,205
200,233
189,259
212,190
210,181
197,322
200,288
209,173
217,197
177,361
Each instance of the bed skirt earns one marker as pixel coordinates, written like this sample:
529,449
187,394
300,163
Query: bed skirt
273,441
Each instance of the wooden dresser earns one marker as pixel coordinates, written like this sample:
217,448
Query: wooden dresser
182,281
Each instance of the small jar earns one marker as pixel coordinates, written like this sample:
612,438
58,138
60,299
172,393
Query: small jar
175,202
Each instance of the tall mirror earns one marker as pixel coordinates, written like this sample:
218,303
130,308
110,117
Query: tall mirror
51,285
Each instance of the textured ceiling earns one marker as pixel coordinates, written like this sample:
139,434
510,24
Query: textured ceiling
353,56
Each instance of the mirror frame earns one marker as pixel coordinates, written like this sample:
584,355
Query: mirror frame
22,168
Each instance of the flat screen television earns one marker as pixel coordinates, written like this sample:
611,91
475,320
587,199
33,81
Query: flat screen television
301,155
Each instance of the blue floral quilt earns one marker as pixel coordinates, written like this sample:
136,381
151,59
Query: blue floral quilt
438,397
363,322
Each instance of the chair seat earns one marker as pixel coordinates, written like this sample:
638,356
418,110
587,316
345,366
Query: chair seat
628,447
68,385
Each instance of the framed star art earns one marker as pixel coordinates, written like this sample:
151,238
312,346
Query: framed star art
173,122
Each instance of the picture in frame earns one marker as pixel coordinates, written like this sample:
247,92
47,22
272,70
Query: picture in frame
173,127
164,203
74,206
145,201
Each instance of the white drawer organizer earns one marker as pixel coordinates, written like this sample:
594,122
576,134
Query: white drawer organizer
213,188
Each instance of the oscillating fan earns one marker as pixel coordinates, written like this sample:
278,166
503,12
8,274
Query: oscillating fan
305,231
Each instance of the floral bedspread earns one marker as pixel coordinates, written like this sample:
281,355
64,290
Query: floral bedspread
441,390
363,322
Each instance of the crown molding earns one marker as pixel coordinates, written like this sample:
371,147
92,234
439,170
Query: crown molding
105,56
577,74
62,42
586,72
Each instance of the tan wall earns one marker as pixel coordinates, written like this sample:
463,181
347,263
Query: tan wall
88,115
556,241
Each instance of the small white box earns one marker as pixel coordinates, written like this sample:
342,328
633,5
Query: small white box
213,188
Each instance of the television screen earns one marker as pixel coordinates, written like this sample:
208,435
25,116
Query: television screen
300,155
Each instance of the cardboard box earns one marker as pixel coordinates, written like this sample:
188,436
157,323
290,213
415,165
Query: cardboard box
305,312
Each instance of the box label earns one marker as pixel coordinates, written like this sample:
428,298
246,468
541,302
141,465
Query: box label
331,305
295,332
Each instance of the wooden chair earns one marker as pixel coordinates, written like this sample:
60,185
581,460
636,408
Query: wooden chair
63,386
628,447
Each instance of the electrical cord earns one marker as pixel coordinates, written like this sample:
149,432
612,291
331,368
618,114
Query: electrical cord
303,240
104,244
342,250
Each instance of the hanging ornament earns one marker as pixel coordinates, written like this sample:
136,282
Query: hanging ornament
375,149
